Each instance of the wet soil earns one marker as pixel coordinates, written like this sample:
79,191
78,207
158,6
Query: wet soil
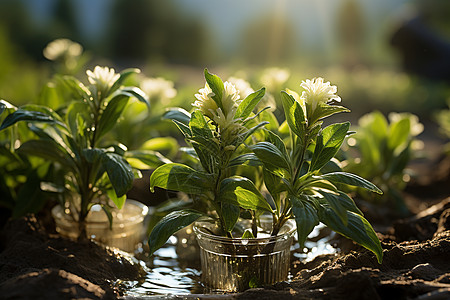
35,263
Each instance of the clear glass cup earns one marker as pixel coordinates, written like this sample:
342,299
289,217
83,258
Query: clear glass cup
235,264
128,228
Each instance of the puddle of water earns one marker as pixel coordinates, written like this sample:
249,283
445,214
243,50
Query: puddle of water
318,243
168,274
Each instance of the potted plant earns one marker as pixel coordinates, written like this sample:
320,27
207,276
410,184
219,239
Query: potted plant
380,151
239,230
91,171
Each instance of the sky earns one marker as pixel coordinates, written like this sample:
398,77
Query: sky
313,19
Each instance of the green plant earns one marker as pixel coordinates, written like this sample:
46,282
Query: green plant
216,130
382,151
139,121
442,117
295,172
300,175
90,168
20,175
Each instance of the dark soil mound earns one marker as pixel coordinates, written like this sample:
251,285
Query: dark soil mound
416,265
38,265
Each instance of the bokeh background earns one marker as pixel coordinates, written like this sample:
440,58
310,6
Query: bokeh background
388,55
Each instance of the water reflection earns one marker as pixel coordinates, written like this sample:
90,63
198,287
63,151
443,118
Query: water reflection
319,242
175,268
167,273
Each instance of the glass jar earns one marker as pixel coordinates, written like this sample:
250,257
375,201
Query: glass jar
236,264
128,228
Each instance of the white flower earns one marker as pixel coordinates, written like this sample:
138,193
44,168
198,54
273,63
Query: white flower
223,116
230,99
242,86
205,102
102,77
158,89
61,48
317,91
274,78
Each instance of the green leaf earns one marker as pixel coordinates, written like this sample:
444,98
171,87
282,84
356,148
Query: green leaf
170,224
26,115
185,130
118,201
78,89
345,202
252,130
167,145
325,110
357,229
248,234
328,143
376,124
273,138
249,103
273,159
230,214
77,115
334,201
119,171
123,76
320,185
152,159
181,178
179,114
268,116
2,107
199,126
399,162
134,92
53,134
274,183
350,179
30,198
93,155
295,115
216,85
371,150
205,155
108,213
111,114
242,192
399,133
49,150
245,159
305,216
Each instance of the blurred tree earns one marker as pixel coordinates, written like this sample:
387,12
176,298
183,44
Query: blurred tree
436,14
20,78
64,23
269,40
31,36
18,26
155,30
423,41
351,32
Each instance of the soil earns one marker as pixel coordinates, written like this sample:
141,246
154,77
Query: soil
35,263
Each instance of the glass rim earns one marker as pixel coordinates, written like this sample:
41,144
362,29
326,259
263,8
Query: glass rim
197,230
58,213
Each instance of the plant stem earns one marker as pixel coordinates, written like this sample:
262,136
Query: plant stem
254,225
